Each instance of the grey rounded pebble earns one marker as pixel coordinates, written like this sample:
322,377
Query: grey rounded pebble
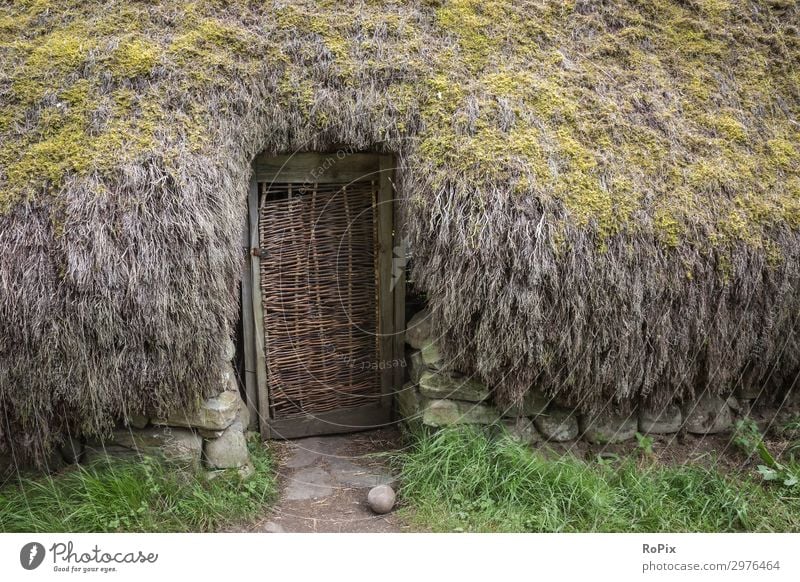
381,499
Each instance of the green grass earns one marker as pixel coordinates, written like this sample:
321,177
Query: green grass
461,480
136,496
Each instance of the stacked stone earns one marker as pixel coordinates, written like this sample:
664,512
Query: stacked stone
212,438
435,398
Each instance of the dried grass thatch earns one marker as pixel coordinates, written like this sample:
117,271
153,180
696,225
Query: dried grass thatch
603,197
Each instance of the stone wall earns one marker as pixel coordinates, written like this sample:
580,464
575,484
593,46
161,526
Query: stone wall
435,397
211,439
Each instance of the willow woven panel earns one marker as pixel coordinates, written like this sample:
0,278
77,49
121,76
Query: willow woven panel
319,294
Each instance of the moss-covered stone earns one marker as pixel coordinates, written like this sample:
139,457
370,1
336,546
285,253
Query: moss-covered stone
432,355
439,413
408,403
558,425
416,367
522,430
217,413
533,404
608,428
707,414
666,420
440,385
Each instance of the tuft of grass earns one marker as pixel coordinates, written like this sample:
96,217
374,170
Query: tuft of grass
146,495
644,443
461,480
791,429
792,426
749,439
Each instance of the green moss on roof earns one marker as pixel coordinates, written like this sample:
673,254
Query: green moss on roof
134,58
614,111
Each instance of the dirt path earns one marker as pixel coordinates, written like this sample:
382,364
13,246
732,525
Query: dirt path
324,482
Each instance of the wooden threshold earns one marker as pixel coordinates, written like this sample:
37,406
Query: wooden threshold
367,417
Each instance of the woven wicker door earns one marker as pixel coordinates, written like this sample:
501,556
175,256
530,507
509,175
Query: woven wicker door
321,292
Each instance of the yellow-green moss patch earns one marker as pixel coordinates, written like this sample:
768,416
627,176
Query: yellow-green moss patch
134,58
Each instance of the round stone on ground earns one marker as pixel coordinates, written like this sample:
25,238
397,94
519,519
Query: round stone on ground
381,499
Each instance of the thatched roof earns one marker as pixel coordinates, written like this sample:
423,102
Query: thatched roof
602,197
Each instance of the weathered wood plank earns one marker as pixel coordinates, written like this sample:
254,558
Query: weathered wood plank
306,168
385,294
248,333
399,291
258,315
338,421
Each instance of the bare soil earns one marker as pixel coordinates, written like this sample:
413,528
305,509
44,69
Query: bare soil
324,483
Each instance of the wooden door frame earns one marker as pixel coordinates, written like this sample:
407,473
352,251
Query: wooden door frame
305,168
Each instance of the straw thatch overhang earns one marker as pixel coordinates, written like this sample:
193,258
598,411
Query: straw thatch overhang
602,198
